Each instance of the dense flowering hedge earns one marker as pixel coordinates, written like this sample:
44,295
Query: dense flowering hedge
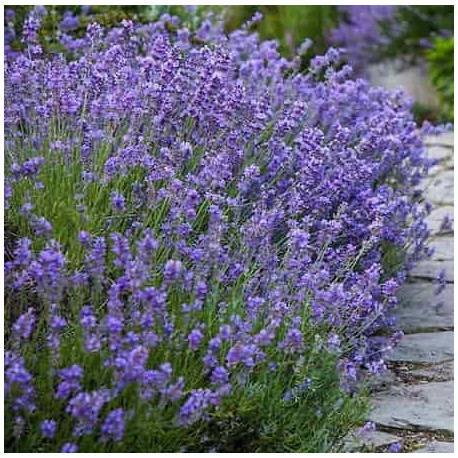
191,220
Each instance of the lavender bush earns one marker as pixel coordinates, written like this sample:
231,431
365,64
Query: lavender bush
205,244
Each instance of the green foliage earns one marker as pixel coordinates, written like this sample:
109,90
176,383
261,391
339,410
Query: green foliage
416,23
289,24
440,68
254,418
424,113
312,421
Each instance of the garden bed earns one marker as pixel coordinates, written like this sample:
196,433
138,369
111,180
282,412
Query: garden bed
207,242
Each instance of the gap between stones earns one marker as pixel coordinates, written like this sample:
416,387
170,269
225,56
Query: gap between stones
436,434
405,371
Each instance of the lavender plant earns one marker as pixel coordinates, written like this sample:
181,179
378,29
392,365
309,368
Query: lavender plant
199,240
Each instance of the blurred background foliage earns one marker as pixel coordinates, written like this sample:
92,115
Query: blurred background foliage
440,68
414,34
289,24
418,24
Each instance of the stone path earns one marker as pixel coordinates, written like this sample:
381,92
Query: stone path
413,402
415,406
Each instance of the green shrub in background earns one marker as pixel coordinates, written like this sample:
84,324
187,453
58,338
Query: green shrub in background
420,27
415,24
440,69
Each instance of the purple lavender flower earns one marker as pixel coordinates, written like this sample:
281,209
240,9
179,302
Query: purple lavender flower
288,396
118,202
24,325
85,408
40,10
70,381
396,447
172,270
31,27
368,427
69,447
147,246
17,377
220,375
195,338
84,238
175,391
225,332
305,46
48,428
446,224
441,280
214,344
69,22
113,426
350,371
9,14
27,208
197,405
293,342
41,226
57,324
95,260
92,342
241,353
334,343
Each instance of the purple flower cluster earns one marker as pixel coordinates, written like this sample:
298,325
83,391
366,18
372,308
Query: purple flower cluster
245,202
48,428
360,32
19,381
113,427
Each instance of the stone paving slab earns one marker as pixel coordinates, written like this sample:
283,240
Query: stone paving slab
429,269
437,447
440,189
381,382
445,139
378,439
417,307
438,152
435,218
449,163
415,396
425,407
434,171
432,347
443,249
370,440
